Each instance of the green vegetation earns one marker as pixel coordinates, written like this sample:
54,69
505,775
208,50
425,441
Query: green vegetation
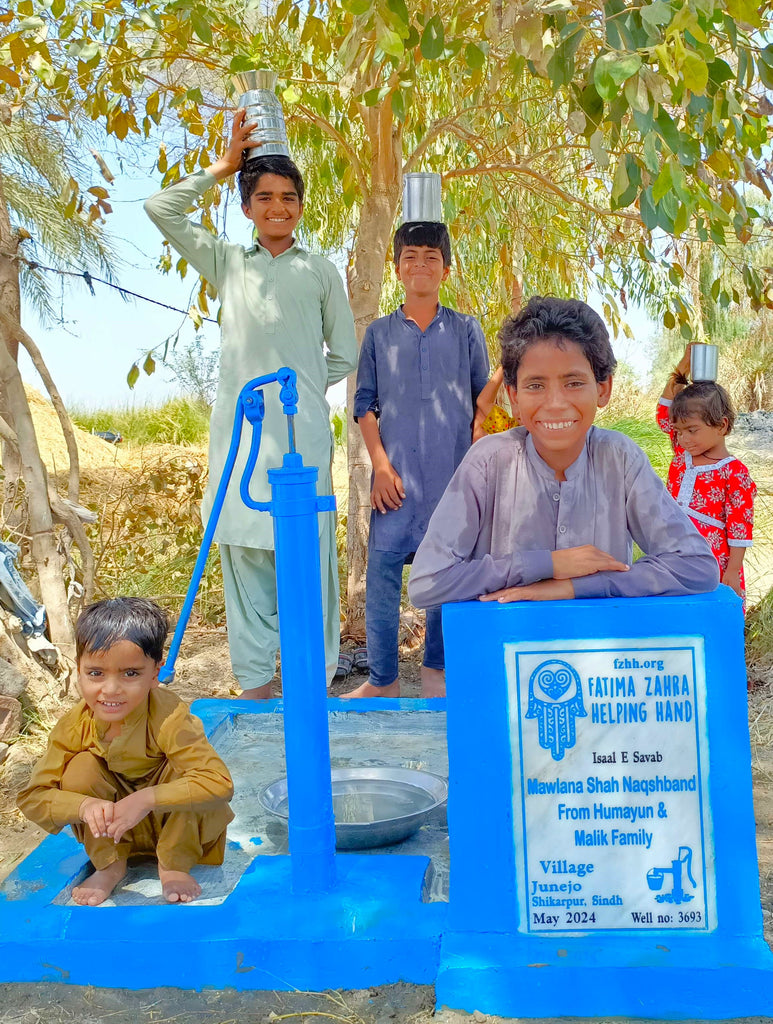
648,435
178,421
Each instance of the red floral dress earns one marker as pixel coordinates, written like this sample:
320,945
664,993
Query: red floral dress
718,498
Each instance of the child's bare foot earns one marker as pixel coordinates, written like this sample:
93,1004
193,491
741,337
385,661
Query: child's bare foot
433,682
369,690
178,886
256,693
97,887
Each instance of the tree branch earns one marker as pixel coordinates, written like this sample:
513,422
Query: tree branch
65,513
444,124
481,169
337,137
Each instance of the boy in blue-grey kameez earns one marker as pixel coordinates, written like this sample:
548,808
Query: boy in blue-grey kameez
420,372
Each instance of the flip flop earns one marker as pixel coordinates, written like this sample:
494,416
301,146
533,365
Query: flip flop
345,665
360,659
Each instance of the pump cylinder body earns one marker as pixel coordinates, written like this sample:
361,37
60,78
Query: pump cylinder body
295,507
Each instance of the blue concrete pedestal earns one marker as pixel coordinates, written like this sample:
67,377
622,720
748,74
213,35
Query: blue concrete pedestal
602,838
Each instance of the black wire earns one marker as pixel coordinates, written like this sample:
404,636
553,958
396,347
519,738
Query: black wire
91,280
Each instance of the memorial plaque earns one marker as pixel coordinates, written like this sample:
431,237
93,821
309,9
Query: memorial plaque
610,764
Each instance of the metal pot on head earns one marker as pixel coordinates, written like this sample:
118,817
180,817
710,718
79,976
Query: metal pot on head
421,197
704,362
259,99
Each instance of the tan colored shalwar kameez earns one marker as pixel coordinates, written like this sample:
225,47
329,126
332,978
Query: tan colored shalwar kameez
161,744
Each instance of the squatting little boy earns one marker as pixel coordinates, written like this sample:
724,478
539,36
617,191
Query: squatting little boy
129,767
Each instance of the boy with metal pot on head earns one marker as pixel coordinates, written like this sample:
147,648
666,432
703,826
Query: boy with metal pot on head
420,372
280,306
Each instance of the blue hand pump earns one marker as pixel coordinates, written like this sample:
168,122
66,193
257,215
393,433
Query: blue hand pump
294,506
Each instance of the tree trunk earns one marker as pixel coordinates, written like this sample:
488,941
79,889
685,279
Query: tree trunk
10,303
45,552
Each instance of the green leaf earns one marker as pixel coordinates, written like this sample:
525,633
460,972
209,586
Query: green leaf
636,93
399,8
647,210
433,39
682,220
667,130
389,41
669,320
598,148
291,95
720,71
201,26
654,15
149,365
593,106
474,56
662,183
133,376
745,11
398,104
357,7
611,70
561,64
633,173
620,182
374,96
695,73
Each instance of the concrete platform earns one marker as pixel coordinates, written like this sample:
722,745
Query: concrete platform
381,924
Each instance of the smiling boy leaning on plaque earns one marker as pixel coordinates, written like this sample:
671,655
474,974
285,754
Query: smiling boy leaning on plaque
549,510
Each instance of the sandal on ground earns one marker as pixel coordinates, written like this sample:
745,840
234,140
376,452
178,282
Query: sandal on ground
360,659
345,665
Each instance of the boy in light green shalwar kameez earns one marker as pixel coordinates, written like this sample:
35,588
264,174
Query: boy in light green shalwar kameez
281,306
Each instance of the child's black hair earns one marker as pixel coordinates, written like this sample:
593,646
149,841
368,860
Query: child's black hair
708,401
556,320
253,170
104,623
430,233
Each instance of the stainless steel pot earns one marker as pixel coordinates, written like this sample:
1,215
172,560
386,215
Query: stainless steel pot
262,105
421,197
374,805
704,362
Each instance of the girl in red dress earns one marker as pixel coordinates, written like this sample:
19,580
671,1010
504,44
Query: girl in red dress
711,485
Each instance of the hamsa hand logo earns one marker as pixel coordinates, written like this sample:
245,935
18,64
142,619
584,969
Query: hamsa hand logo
555,700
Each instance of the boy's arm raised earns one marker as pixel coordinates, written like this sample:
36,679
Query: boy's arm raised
168,209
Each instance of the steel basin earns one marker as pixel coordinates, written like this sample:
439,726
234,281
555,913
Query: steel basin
373,806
